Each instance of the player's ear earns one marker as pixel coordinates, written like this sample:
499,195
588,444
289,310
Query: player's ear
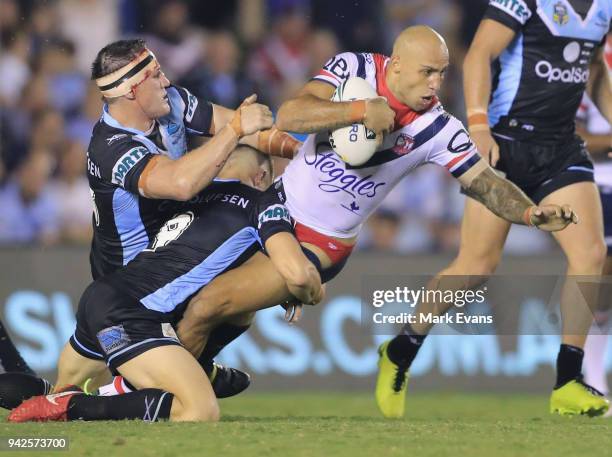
395,64
261,180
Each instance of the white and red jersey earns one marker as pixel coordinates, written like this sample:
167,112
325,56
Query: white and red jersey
334,198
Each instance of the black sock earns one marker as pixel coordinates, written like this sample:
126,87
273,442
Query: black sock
569,364
404,347
17,387
221,336
10,358
147,404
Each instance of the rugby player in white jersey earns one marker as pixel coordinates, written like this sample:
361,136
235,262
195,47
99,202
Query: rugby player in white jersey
330,200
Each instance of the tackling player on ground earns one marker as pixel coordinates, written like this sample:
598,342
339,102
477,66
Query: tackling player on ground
542,53
126,318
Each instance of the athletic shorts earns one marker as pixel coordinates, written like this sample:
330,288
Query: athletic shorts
606,205
116,328
540,170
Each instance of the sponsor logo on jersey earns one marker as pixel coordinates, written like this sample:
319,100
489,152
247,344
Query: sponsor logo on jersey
560,15
113,338
274,213
126,162
403,144
573,75
172,128
337,179
518,9
191,106
116,137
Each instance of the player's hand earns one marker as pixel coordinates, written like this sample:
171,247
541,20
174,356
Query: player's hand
486,145
552,218
378,116
254,116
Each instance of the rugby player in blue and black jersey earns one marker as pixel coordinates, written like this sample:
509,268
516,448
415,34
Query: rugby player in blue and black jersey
127,318
524,77
138,164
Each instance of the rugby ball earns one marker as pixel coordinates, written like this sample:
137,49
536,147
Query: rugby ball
354,144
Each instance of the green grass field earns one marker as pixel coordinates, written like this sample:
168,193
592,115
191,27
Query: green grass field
343,425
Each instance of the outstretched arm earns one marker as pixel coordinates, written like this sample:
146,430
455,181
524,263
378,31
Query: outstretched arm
507,201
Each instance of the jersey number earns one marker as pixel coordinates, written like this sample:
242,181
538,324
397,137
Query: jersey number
95,208
171,230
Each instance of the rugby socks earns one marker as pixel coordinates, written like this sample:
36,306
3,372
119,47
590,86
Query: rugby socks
221,336
595,359
569,364
404,347
10,358
119,386
150,405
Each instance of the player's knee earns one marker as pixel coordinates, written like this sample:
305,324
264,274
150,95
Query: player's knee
483,265
588,259
201,411
207,308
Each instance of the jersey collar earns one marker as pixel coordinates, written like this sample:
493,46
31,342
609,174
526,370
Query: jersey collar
110,120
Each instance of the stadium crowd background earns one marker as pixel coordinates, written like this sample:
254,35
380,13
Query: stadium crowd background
222,50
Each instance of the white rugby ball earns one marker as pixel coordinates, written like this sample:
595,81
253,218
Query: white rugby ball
354,144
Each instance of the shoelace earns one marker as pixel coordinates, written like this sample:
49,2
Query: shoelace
400,378
591,389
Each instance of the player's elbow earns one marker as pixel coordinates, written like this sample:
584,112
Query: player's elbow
184,189
284,117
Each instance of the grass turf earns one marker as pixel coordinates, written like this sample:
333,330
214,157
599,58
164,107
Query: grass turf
332,424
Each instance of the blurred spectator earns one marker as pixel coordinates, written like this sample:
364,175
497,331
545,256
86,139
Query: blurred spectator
79,128
70,191
383,228
282,62
178,45
29,213
90,23
358,24
220,79
44,25
9,17
322,46
48,132
67,86
14,68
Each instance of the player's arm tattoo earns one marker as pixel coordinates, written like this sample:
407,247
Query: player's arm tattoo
499,195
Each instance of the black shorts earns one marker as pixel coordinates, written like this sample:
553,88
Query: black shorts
606,205
540,170
116,328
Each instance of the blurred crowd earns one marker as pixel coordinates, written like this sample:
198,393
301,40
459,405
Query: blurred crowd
222,50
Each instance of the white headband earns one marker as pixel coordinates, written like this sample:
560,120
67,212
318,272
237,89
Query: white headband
121,82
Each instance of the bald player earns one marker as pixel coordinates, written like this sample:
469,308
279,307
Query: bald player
329,200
